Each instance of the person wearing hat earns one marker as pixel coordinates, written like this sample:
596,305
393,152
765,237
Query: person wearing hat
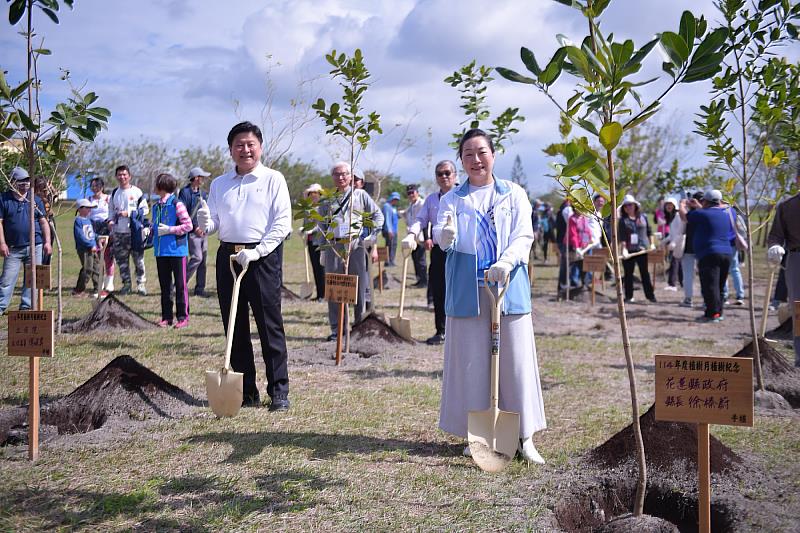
190,196
15,231
415,206
358,180
784,246
712,240
315,239
389,230
346,206
87,248
634,235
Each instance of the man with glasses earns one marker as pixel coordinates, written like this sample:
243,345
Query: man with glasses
446,179
15,232
356,236
415,205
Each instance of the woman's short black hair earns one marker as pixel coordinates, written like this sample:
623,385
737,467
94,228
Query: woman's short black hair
474,132
166,182
98,180
244,127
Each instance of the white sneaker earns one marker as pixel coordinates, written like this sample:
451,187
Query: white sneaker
141,289
671,288
529,452
108,283
467,452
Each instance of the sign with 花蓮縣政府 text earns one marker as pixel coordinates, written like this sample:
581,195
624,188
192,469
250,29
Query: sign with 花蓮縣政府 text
704,389
42,276
30,333
383,254
341,288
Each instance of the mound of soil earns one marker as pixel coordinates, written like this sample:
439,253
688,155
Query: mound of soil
373,336
779,374
123,390
109,314
784,332
665,445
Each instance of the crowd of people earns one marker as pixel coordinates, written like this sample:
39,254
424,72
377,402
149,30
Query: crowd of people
482,231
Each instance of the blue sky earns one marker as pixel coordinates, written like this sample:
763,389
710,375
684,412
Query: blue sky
186,71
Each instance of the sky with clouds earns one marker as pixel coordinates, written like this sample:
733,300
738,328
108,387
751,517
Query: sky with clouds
186,71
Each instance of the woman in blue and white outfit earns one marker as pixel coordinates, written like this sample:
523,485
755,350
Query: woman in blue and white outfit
484,225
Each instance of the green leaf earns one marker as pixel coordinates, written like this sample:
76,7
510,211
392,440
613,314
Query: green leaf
711,43
513,76
550,74
42,51
610,135
50,13
16,10
675,47
588,126
579,165
27,123
579,61
530,61
638,57
688,26
704,68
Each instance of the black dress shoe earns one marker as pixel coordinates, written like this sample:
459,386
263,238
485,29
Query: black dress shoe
436,339
279,403
251,401
331,337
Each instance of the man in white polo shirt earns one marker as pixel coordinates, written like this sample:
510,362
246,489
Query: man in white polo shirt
250,208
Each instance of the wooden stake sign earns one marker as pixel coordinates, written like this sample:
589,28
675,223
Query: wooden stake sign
30,333
704,390
42,276
383,256
654,259
596,264
797,318
341,288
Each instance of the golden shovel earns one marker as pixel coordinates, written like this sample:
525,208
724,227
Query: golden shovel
493,434
225,387
402,325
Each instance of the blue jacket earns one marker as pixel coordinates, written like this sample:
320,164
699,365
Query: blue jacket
512,217
191,200
15,215
713,231
389,217
84,234
168,245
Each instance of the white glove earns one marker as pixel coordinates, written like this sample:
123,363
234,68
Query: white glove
204,216
579,253
775,254
447,235
409,242
163,229
145,233
246,256
499,272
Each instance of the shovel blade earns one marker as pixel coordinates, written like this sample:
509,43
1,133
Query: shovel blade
225,391
305,290
402,326
493,438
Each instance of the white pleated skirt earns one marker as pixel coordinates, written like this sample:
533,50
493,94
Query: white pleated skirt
467,371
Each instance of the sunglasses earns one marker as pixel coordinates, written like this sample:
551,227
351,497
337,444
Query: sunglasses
444,174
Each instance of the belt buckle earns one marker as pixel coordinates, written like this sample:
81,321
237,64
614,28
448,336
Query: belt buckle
238,248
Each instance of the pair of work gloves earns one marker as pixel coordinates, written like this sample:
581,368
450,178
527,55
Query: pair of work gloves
244,257
497,273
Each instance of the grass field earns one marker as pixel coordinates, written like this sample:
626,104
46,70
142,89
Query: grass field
359,449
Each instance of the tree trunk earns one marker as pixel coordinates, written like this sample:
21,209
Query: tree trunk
641,485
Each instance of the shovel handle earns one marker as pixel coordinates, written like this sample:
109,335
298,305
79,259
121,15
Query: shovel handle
497,302
237,280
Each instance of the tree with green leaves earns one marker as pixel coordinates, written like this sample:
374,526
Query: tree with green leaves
472,80
518,175
45,141
756,90
606,104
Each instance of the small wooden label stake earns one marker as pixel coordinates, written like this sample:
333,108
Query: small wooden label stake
343,289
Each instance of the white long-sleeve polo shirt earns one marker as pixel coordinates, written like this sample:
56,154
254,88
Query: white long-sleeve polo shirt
253,208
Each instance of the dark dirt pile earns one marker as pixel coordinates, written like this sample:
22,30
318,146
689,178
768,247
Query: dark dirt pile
779,374
665,444
373,336
123,390
784,332
110,313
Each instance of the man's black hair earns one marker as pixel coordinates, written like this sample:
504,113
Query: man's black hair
245,127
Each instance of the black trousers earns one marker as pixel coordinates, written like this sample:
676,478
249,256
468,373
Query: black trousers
316,266
170,268
418,257
261,290
629,265
436,281
713,273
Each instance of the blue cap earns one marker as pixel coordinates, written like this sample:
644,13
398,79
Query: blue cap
394,196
